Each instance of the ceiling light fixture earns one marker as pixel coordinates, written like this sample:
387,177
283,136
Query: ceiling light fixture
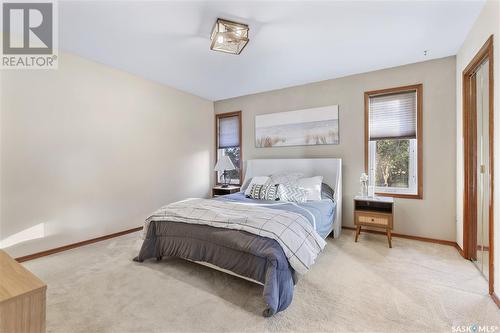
229,37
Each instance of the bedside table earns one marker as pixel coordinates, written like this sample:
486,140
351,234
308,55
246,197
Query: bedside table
377,212
218,190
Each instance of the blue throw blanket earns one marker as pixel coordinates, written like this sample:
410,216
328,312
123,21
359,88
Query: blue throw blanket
321,214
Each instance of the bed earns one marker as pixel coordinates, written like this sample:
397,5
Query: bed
267,242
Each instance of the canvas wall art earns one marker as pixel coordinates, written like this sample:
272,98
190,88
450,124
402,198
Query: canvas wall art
316,126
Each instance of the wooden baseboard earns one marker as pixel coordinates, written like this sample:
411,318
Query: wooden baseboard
495,299
418,238
460,250
121,233
75,245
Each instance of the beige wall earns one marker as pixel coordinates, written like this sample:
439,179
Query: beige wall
434,216
88,150
487,24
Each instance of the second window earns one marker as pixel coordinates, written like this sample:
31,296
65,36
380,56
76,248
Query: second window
393,148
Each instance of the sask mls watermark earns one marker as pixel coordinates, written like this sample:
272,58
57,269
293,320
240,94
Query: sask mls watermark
474,328
29,35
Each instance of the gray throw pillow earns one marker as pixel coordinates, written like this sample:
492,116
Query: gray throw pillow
264,192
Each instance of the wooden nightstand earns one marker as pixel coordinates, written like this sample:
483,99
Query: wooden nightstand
218,190
375,212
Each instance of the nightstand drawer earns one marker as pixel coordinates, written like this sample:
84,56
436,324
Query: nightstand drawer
373,219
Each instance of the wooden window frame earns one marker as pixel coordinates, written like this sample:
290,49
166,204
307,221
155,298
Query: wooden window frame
418,88
226,115
470,156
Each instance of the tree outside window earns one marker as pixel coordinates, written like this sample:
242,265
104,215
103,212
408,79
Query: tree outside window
392,163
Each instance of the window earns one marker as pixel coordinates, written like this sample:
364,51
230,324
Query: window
393,147
228,142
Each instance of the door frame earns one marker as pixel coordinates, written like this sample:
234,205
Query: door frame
470,156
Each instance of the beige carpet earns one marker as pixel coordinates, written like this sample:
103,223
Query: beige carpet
354,287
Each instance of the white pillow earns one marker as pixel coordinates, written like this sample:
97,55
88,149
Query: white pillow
289,178
313,187
259,180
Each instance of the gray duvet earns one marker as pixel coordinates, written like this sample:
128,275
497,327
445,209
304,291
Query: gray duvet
249,255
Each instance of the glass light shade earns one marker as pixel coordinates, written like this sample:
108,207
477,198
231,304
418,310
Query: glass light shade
229,37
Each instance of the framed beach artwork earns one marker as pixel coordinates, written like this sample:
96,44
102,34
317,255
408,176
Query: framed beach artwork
316,126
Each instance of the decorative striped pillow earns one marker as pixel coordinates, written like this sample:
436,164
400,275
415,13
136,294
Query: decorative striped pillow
264,192
292,193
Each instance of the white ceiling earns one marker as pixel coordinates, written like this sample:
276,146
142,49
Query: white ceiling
291,43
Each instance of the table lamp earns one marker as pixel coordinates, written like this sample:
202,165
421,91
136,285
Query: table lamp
224,164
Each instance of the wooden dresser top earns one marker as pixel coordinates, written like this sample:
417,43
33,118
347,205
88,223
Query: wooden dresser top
16,280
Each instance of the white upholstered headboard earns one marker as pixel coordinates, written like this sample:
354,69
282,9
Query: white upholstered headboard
329,168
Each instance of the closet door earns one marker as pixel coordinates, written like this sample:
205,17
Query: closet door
481,82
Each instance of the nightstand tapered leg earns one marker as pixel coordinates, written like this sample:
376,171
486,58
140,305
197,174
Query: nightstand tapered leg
389,238
358,230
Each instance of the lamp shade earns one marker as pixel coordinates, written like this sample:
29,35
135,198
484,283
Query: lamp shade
224,163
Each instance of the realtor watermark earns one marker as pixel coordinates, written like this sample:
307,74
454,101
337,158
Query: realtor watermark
29,34
474,328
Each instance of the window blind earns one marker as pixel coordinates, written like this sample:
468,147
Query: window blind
229,132
393,116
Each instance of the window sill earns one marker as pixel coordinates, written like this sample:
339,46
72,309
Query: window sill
400,195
